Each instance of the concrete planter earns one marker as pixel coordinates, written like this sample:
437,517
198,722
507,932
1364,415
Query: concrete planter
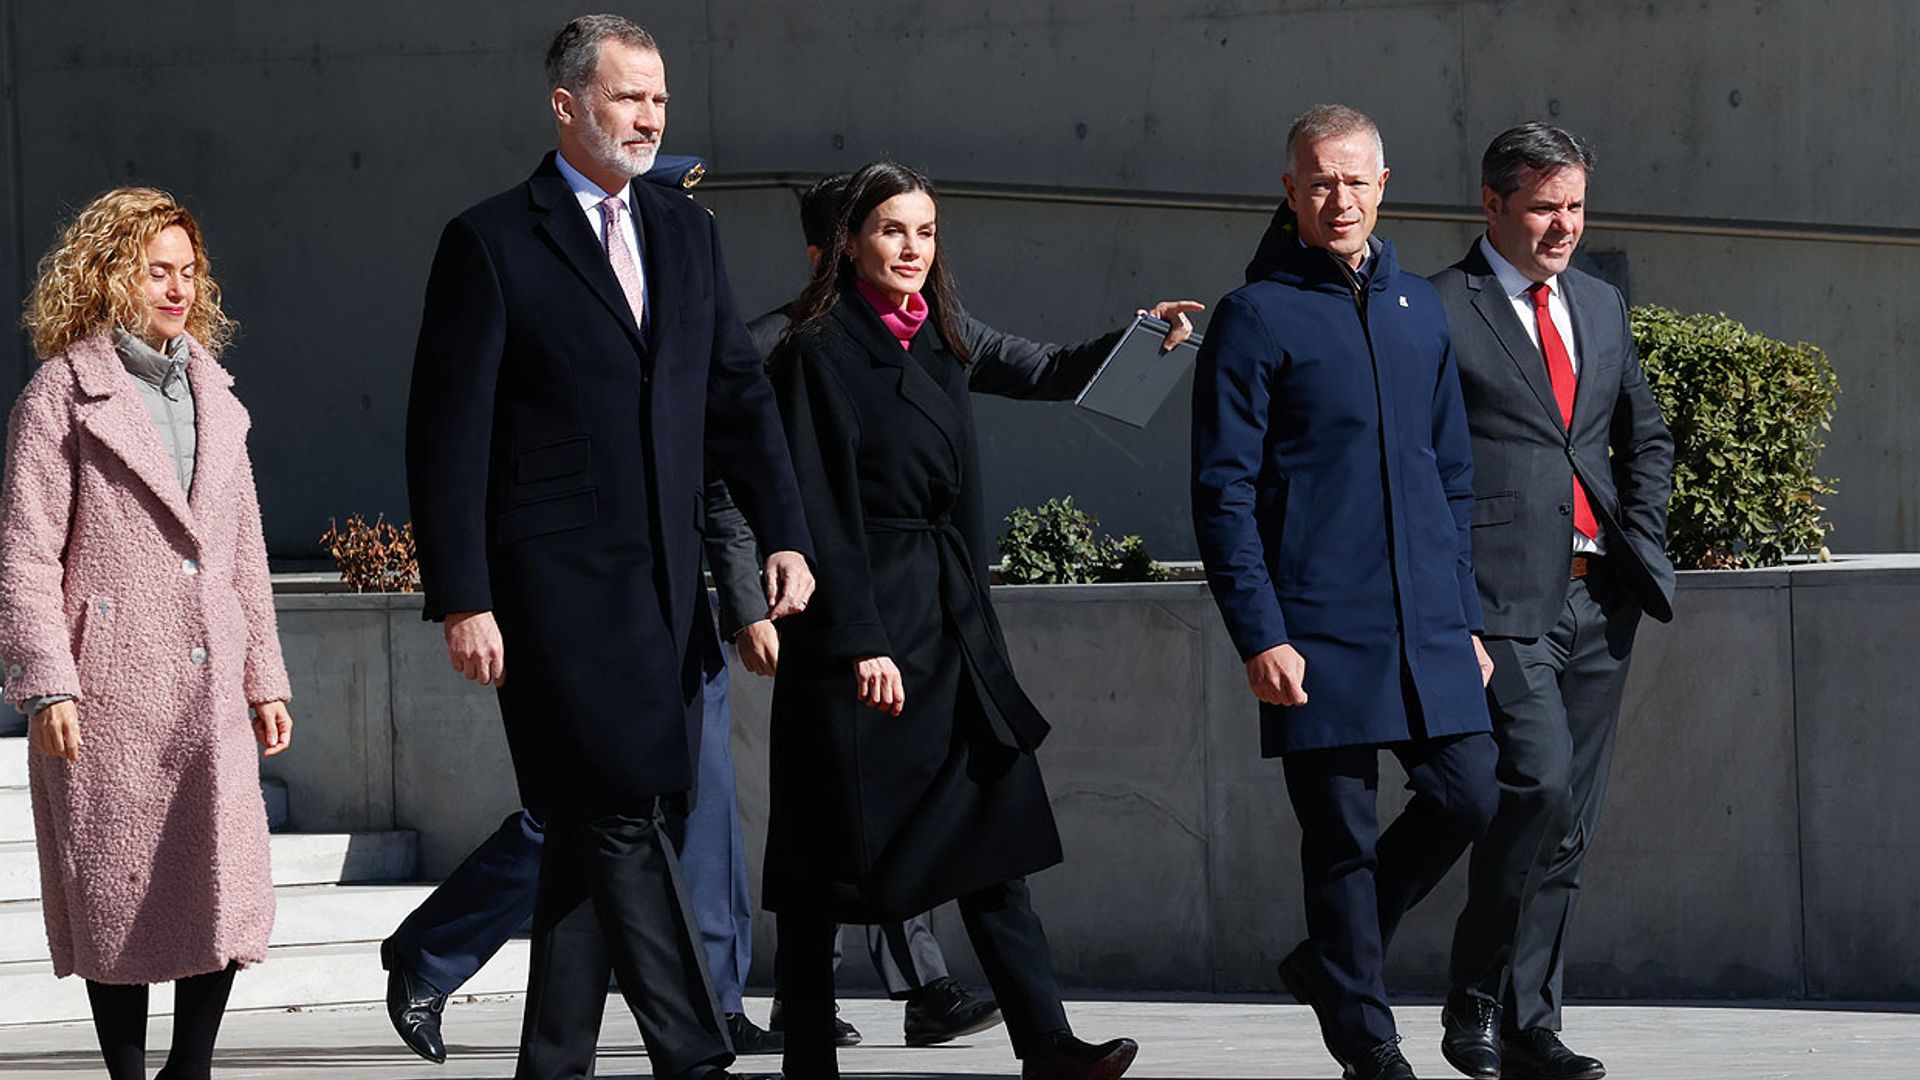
1759,840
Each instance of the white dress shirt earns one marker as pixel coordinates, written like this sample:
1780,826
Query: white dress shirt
590,196
1515,284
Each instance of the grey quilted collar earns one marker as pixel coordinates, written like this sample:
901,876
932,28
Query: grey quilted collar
163,371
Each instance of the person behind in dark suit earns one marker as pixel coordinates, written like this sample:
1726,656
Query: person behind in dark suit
1572,469
905,953
903,769
1332,484
580,361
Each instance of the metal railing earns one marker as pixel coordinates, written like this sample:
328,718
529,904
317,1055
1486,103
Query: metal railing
1738,228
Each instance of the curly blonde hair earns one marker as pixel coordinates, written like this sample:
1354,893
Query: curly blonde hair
91,280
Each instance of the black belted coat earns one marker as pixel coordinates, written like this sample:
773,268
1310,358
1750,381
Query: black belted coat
880,817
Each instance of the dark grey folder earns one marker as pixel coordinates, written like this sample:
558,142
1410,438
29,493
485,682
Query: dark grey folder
1137,376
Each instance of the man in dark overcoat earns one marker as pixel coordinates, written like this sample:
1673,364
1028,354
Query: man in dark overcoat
580,358
1572,469
1332,484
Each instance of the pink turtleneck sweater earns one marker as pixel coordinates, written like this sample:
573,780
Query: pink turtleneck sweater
904,322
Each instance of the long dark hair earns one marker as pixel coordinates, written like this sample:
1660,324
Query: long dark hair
872,185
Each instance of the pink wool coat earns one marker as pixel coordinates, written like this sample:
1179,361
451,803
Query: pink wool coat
155,609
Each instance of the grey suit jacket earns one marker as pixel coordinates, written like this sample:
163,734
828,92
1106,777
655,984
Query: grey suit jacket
1525,458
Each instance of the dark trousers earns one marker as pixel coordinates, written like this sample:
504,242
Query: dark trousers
489,896
1361,881
1006,935
611,901
1556,704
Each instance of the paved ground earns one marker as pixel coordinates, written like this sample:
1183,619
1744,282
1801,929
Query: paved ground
1200,1039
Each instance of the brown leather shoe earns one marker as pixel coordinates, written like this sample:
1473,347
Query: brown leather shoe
1060,1056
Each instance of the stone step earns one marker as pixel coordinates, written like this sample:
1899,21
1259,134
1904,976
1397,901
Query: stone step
13,759
298,859
16,814
293,976
303,915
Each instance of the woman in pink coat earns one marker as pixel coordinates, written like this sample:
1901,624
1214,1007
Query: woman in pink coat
136,627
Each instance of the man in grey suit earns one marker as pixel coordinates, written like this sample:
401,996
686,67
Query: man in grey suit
1572,466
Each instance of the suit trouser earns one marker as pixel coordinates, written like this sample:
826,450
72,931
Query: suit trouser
612,901
1555,712
489,896
905,954
1006,935
1361,881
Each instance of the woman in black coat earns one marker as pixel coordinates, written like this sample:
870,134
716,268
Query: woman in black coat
903,772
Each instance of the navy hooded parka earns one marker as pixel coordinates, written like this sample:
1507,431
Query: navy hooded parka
1332,496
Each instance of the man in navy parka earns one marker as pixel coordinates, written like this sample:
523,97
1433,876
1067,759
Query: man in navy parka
1332,498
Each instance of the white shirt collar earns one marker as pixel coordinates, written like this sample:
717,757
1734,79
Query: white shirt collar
1514,283
590,194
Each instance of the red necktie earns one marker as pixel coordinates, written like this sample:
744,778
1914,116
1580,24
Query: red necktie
1560,370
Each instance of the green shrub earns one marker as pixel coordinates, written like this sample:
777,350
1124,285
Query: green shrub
1748,415
1055,544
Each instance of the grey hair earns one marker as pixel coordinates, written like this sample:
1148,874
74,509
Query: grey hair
575,51
1327,122
1536,147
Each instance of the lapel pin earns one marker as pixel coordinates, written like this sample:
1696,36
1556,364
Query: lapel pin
1403,300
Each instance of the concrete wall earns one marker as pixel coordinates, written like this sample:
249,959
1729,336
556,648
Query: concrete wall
1758,840
324,146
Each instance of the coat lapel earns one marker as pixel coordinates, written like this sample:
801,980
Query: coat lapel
1589,389
1491,301
117,419
666,280
913,383
565,228
220,427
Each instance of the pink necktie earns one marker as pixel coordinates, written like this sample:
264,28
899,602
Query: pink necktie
621,256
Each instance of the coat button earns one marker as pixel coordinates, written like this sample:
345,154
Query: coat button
198,655
13,672
189,567
106,605
1565,509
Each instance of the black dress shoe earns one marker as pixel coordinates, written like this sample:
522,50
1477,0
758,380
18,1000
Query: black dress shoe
1298,972
1381,1061
943,1010
1470,1035
749,1038
1060,1056
844,1034
414,1006
1538,1054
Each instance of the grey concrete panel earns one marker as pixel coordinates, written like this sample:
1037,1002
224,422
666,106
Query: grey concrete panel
339,769
1855,639
448,747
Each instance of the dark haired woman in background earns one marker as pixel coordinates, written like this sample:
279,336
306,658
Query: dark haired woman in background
903,772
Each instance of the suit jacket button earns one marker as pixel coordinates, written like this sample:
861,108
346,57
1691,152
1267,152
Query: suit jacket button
1566,509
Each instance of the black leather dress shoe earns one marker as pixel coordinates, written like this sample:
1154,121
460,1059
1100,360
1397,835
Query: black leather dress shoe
844,1034
1381,1061
749,1038
1538,1054
414,1006
1470,1035
1298,973
1060,1056
943,1010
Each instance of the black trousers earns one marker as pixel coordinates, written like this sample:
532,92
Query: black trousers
1556,705
1006,935
611,901
1361,881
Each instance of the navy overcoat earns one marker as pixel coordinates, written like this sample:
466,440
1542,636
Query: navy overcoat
1333,494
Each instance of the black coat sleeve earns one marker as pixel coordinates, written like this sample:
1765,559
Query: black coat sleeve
823,429
1017,368
745,445
450,409
734,558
